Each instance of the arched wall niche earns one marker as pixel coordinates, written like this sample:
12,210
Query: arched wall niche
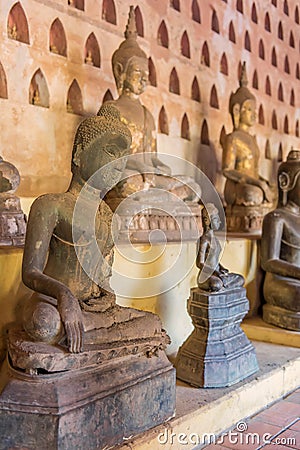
38,90
92,51
3,83
17,25
163,124
74,99
109,11
57,38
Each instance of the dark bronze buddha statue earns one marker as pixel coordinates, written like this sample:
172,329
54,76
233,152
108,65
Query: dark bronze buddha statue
280,252
213,276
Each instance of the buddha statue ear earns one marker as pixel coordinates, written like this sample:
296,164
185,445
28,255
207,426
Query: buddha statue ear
236,115
120,75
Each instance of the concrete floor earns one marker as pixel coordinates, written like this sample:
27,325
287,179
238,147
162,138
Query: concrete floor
202,412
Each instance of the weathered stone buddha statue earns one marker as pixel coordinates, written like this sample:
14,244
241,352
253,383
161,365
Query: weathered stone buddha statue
145,170
280,249
67,301
217,353
248,195
72,324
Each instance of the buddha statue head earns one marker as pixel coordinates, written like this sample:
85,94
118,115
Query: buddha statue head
101,140
210,217
129,61
242,103
9,177
289,179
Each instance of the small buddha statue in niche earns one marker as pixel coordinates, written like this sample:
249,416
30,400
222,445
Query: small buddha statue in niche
130,69
213,276
244,186
280,249
69,310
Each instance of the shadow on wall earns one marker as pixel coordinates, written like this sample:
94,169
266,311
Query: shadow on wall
207,161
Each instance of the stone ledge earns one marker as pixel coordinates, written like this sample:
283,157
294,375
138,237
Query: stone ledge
256,328
205,411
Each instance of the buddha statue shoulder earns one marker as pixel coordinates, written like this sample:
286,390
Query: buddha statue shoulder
73,310
280,249
130,69
244,185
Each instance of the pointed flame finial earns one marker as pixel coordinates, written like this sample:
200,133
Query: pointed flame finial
131,31
243,79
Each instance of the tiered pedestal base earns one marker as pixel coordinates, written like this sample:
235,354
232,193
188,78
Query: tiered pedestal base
217,353
98,407
281,317
246,219
175,221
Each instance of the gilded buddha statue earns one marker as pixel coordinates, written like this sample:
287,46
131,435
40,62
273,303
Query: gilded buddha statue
280,249
145,172
247,194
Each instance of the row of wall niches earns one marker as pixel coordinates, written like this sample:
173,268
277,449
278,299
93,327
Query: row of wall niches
92,56
39,96
17,28
109,9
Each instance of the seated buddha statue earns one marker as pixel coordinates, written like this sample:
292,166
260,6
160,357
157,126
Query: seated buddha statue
280,249
244,185
72,309
213,276
145,169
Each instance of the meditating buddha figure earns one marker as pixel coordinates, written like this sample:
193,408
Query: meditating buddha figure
130,69
244,186
213,276
280,249
72,310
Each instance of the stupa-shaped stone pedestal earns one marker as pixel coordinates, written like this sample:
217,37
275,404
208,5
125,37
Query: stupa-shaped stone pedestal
217,353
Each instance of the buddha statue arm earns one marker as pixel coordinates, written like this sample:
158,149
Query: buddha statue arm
271,245
41,224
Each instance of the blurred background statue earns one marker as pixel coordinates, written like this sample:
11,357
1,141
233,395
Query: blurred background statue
247,194
280,251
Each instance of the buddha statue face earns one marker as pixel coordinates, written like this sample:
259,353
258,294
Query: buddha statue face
101,142
109,152
247,113
135,78
289,179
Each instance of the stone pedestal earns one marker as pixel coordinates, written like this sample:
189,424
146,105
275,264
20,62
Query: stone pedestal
97,407
246,219
281,317
217,353
175,221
